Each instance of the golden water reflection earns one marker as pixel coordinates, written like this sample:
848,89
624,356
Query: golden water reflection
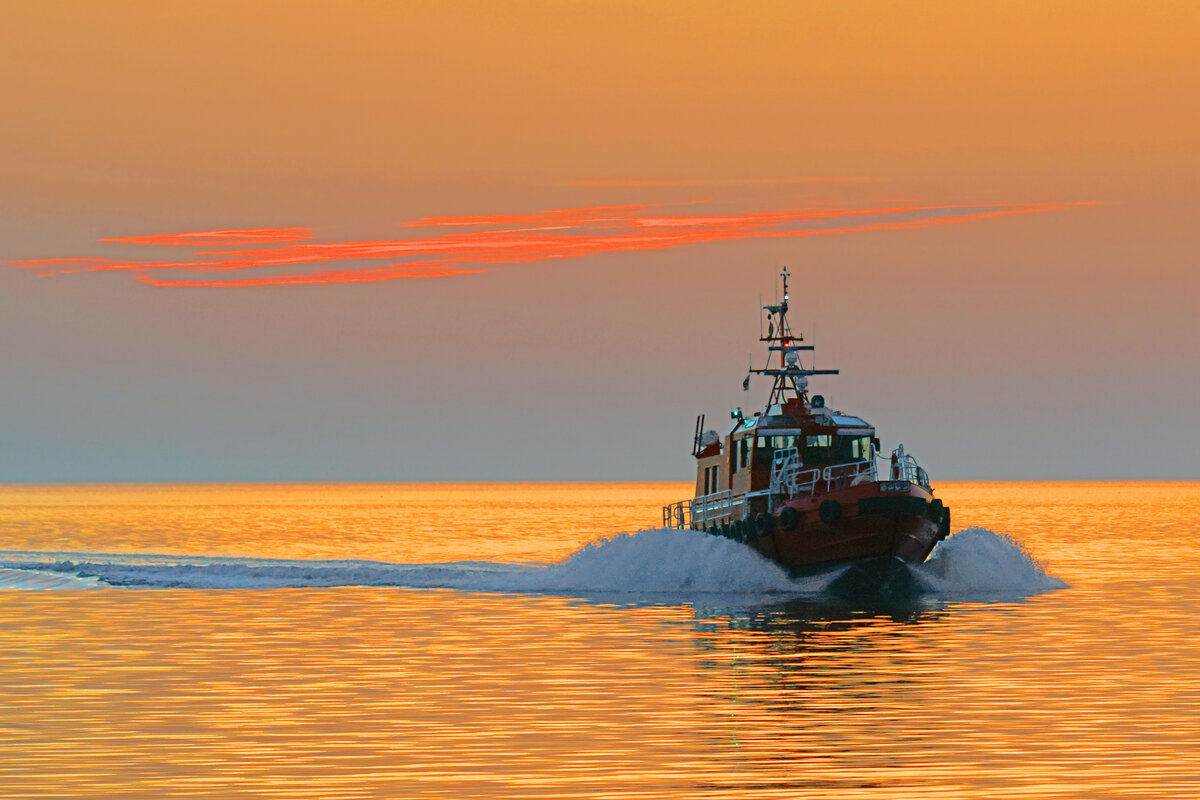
1092,691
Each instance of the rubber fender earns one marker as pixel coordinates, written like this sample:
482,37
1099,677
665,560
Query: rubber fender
789,518
742,528
944,528
723,529
830,511
935,510
764,522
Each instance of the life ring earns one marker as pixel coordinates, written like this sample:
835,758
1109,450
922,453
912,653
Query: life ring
830,511
789,518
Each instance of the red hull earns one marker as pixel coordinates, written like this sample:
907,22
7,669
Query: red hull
848,525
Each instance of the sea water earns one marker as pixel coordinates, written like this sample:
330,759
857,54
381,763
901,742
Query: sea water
547,640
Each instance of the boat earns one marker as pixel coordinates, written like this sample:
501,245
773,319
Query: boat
805,485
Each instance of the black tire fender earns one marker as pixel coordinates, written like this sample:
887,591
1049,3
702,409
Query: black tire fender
830,511
935,509
789,518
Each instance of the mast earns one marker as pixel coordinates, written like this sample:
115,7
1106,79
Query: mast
790,376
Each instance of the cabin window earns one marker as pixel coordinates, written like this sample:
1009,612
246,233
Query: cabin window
741,453
818,449
767,445
712,477
853,448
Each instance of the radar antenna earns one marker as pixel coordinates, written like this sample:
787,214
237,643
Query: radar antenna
791,376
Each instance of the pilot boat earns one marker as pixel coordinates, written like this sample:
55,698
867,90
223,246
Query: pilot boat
805,485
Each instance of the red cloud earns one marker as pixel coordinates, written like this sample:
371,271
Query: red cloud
638,184
392,273
556,233
244,235
551,217
39,263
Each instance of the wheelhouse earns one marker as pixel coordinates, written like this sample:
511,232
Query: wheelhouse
794,444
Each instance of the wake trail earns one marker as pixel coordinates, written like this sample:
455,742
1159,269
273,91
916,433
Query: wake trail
659,564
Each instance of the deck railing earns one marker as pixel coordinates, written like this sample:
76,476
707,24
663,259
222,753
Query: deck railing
703,510
839,476
676,515
789,478
907,469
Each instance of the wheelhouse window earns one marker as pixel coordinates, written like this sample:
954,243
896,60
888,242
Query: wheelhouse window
818,449
853,448
768,445
741,454
712,479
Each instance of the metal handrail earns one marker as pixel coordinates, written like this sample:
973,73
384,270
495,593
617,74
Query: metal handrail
675,515
907,469
846,474
703,509
915,473
713,506
789,479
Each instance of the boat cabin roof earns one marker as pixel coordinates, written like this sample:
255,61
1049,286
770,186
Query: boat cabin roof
787,425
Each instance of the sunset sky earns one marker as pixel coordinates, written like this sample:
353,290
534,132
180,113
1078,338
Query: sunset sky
459,241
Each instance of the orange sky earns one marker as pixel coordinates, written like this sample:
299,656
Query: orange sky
331,127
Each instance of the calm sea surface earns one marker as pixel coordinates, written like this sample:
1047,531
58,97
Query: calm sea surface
397,641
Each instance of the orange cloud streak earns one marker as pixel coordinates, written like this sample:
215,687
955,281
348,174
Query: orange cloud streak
638,184
245,235
40,263
556,233
395,272
552,216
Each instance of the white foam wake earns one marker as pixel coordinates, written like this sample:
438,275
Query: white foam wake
40,579
973,564
977,564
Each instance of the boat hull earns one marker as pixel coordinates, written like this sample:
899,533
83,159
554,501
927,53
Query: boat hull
905,536
884,579
856,525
